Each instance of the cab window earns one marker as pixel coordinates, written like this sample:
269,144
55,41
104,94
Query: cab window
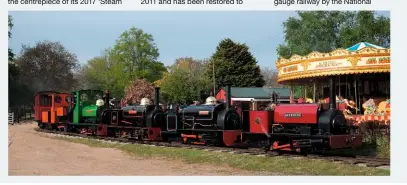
58,99
45,100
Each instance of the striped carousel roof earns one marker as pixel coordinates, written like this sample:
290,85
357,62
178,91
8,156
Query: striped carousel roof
361,45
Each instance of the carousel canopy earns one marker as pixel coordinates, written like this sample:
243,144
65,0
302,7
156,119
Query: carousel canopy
362,58
362,45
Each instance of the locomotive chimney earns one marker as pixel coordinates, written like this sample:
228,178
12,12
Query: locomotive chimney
157,97
107,102
228,96
332,97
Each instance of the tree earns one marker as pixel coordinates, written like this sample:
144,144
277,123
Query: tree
140,88
134,56
139,54
105,73
47,66
184,81
270,77
234,65
16,90
324,31
10,26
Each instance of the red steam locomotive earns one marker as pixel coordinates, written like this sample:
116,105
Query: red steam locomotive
298,127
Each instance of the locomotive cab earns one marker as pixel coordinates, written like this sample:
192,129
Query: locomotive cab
143,115
86,106
210,124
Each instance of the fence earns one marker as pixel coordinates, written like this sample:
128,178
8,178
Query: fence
16,115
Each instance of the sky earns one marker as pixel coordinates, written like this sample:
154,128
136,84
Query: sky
177,34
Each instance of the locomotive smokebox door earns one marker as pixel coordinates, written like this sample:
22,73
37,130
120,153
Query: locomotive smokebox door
114,118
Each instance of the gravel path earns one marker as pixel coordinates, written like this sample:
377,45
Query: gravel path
30,153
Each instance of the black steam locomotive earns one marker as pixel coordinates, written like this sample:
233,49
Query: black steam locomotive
144,121
212,123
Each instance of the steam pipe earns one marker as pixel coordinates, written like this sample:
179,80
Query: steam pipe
228,97
157,97
332,97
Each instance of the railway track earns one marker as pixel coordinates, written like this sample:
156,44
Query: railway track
346,159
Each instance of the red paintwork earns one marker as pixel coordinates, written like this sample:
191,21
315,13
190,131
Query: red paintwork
154,133
221,96
263,120
308,113
101,130
231,136
38,108
345,141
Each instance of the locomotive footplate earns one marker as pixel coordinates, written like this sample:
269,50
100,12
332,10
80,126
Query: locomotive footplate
286,141
139,133
211,137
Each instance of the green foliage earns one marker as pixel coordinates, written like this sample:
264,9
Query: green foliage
134,56
17,91
138,52
103,73
47,66
185,74
324,31
234,65
376,137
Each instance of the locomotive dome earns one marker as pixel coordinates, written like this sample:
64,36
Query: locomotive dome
100,102
210,100
145,101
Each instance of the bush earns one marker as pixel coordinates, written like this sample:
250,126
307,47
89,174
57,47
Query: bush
375,136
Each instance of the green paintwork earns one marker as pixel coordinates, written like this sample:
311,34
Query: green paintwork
85,107
89,111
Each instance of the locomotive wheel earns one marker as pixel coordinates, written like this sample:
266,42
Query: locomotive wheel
273,152
305,151
41,125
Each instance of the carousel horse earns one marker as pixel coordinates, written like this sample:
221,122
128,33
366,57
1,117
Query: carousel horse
381,109
370,107
350,107
309,100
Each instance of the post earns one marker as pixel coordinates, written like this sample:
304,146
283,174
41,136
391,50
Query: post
339,84
314,92
356,98
157,97
214,83
291,94
305,91
228,96
332,97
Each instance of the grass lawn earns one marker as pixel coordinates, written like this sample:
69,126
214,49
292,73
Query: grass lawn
280,165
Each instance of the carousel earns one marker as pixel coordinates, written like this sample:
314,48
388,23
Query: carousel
362,74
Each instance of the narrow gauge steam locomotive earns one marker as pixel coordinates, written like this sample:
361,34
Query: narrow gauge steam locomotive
209,124
301,127
143,121
288,127
298,127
